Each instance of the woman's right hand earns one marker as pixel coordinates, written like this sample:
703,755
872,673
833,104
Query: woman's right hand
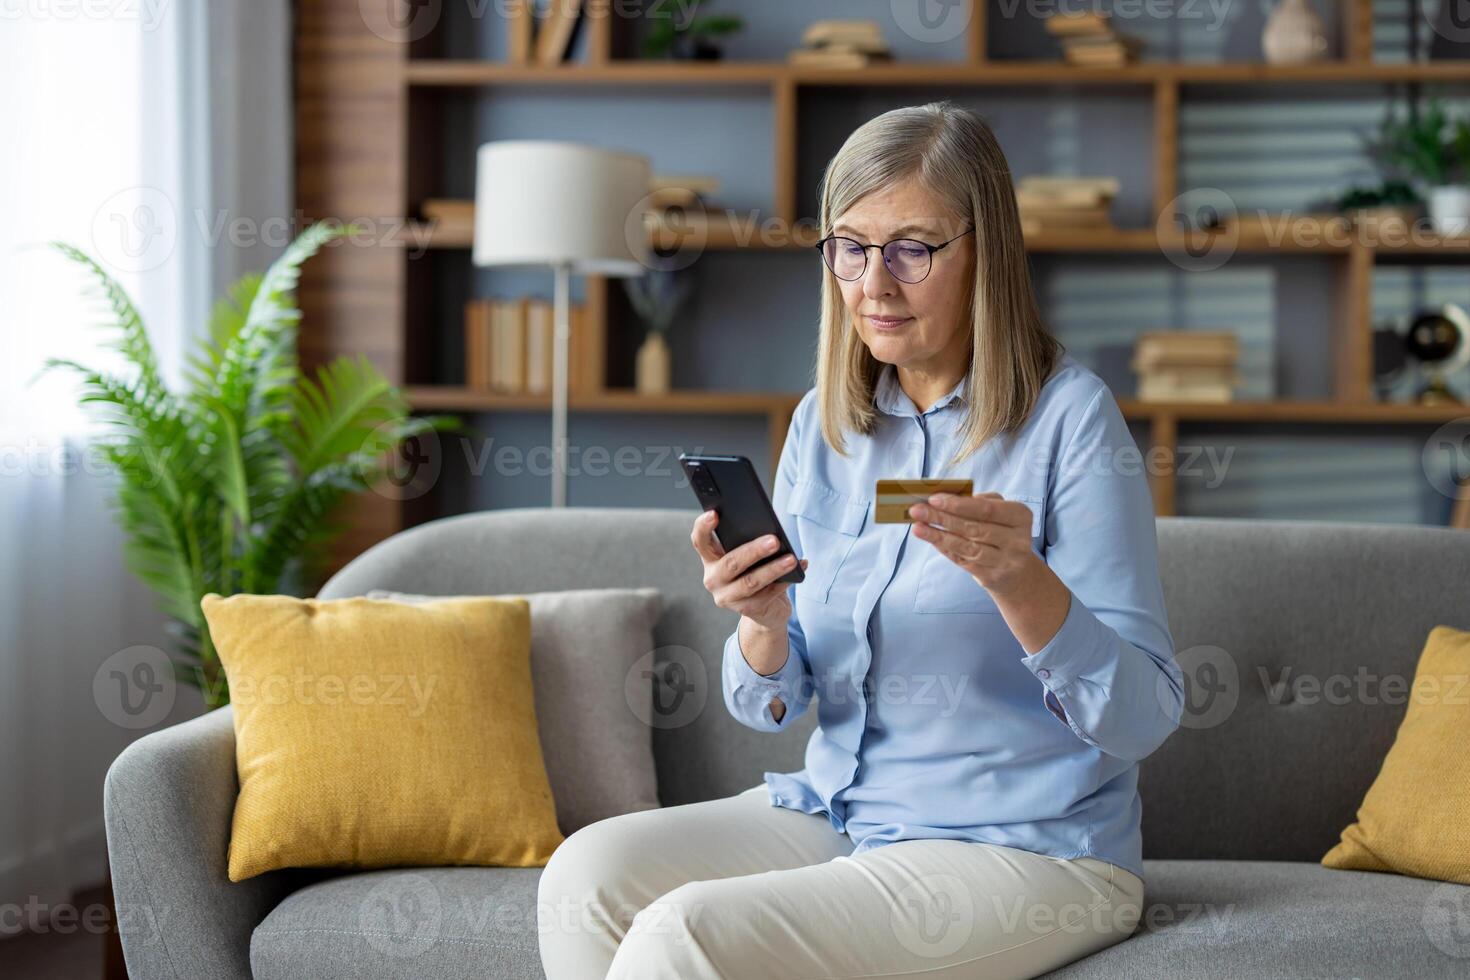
754,594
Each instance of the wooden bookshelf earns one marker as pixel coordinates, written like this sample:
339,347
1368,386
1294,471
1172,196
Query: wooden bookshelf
368,101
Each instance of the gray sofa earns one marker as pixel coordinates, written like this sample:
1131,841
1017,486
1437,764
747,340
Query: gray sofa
1239,804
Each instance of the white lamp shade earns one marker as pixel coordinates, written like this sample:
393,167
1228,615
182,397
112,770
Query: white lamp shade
544,202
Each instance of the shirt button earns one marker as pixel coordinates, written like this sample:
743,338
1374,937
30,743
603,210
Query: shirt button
1044,672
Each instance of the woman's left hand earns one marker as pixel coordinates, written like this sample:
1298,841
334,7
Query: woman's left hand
986,535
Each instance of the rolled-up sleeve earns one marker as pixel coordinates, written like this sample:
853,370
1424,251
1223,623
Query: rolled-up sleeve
748,694
1109,671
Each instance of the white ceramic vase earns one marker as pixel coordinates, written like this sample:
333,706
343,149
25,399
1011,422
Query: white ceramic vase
1294,34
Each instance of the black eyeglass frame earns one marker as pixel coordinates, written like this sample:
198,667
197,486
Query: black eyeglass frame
821,248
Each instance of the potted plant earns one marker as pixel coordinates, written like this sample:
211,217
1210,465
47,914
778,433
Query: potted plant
1389,208
1427,146
690,37
229,484
656,297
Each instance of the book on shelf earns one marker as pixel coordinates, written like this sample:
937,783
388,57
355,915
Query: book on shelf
520,19
556,30
1042,218
509,345
449,217
1088,39
1079,24
1106,185
1186,365
1192,374
1113,53
685,191
539,351
1156,347
476,341
1070,197
829,57
858,35
1162,390
1050,202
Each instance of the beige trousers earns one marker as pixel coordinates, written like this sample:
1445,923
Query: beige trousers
735,888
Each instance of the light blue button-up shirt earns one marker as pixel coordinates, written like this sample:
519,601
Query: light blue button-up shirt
932,719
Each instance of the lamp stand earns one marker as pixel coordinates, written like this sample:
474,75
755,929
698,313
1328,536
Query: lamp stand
562,337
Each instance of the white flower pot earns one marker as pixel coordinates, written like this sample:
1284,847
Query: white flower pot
1449,210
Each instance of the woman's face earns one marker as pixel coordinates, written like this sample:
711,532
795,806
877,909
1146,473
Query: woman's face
932,332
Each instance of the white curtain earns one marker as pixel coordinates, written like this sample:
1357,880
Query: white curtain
129,135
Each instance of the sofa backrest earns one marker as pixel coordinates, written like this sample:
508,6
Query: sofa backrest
1265,765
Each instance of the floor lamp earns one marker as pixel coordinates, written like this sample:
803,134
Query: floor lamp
578,209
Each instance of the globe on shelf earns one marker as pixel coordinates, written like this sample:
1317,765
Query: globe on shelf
1440,341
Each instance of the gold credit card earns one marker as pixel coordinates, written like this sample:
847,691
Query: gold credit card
895,497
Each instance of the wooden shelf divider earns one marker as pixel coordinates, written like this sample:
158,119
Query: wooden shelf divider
450,73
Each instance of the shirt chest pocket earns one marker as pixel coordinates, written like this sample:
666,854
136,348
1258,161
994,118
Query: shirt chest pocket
945,587
828,523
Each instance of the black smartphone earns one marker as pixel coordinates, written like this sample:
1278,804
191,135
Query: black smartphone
729,486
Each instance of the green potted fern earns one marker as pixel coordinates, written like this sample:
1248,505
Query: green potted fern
231,483
1428,146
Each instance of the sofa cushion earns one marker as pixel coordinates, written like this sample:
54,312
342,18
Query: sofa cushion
375,734
1423,788
592,657
1202,919
1274,919
445,923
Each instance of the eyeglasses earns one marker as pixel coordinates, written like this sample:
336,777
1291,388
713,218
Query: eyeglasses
907,259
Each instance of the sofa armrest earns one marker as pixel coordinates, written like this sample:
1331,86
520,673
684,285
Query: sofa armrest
168,802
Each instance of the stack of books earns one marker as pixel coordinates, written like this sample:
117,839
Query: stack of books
678,205
841,44
1186,366
1088,39
1049,203
508,344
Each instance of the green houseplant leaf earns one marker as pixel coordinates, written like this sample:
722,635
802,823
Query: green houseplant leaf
232,483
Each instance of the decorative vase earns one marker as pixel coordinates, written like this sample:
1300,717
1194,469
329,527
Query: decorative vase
1449,209
1294,34
651,371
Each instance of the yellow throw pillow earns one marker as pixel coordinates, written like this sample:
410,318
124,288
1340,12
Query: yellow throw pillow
373,734
1413,818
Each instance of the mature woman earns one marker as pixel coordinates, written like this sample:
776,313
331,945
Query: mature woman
987,678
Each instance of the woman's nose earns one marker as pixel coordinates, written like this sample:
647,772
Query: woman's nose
877,280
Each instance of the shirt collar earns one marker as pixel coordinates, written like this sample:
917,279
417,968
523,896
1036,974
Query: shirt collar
889,396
